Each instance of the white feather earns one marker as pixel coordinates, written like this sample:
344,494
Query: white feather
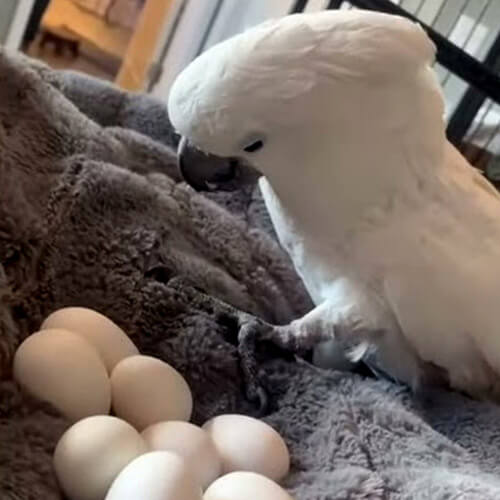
390,228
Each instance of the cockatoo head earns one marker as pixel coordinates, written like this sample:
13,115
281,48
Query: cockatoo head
309,98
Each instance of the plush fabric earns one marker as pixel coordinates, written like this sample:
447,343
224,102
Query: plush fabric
93,213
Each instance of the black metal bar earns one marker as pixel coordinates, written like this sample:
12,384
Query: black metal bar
211,23
439,12
469,36
419,8
298,6
471,102
450,56
460,13
334,4
39,8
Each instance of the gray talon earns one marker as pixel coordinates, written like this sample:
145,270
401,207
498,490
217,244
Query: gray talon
250,333
263,400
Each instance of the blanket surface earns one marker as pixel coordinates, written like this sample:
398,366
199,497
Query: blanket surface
93,213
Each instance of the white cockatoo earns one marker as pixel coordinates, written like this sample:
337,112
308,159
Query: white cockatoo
395,235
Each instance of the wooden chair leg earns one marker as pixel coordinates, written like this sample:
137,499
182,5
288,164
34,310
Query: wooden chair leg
43,39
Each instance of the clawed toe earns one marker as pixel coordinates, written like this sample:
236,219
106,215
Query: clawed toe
250,333
257,395
262,402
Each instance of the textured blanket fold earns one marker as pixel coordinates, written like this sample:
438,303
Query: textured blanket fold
92,213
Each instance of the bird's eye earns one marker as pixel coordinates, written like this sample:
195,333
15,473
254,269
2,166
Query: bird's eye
255,146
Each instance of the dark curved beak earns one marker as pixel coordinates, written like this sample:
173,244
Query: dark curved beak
206,172
202,171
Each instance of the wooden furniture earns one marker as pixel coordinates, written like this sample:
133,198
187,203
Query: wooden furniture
61,38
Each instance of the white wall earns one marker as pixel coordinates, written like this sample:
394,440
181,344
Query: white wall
233,17
237,16
184,42
7,10
14,21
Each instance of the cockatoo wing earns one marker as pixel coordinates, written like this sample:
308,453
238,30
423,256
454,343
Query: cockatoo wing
445,291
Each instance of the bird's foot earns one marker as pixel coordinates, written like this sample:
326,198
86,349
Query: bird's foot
249,330
252,333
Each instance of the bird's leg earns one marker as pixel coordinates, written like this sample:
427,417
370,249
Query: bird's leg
238,323
326,322
339,320
350,324
253,331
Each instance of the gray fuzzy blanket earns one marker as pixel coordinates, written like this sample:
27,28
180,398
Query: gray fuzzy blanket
92,213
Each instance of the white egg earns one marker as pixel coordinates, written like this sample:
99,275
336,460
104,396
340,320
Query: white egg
191,443
109,339
248,444
159,475
146,391
60,367
245,486
91,453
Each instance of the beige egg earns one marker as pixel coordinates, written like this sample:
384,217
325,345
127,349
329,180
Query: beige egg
146,391
245,486
108,338
248,444
60,367
191,443
158,475
91,453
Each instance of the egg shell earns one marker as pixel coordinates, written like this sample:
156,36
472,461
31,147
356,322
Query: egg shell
92,452
146,390
245,486
60,367
158,475
110,341
247,444
191,443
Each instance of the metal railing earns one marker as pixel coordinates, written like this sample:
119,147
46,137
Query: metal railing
481,76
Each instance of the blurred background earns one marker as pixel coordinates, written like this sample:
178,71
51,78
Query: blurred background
141,45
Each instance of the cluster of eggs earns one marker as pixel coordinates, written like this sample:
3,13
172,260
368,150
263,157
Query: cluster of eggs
86,366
